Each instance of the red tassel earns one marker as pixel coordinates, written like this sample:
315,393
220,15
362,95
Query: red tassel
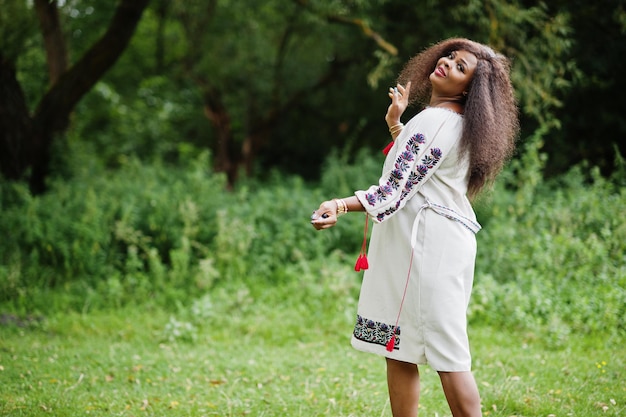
388,148
361,262
357,265
392,343
364,263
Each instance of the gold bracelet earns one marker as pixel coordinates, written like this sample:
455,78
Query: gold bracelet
396,128
342,207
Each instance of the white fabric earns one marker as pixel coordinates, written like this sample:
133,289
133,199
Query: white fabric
420,202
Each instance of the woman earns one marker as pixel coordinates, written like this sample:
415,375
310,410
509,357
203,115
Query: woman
414,297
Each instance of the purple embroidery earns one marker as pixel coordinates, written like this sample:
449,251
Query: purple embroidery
402,165
404,160
395,177
414,143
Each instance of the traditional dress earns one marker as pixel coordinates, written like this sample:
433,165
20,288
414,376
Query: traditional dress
422,248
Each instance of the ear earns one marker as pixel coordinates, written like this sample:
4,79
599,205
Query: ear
464,93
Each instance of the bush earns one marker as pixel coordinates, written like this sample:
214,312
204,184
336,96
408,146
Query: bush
551,253
109,238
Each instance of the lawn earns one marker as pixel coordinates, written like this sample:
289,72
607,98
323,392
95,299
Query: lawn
261,358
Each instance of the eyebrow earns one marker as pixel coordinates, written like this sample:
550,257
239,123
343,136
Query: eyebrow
464,62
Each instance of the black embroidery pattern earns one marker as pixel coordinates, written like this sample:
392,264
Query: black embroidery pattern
371,331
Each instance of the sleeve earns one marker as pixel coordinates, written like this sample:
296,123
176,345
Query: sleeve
416,160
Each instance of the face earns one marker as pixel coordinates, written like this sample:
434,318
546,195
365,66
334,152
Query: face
453,73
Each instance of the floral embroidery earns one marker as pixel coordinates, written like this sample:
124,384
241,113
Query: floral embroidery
371,331
399,173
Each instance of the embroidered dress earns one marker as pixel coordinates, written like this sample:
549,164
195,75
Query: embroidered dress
420,205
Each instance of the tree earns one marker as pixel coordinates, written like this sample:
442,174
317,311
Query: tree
255,64
25,138
592,115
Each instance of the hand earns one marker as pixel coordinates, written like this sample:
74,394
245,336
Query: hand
325,216
399,102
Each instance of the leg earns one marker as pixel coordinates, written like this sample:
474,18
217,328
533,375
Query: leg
462,393
403,380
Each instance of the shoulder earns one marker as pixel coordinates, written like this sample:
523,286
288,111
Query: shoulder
440,114
433,121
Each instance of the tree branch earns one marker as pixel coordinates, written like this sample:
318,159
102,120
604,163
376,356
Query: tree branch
54,42
54,109
360,23
367,30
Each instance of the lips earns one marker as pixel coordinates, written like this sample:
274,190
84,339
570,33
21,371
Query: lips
440,72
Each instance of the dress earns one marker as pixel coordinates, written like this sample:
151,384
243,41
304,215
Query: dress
420,205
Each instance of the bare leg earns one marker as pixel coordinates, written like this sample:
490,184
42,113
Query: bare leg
462,393
403,380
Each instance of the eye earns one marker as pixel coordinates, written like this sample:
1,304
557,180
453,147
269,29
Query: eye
461,67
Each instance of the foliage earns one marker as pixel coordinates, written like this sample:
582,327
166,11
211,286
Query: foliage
158,234
16,26
107,241
531,37
306,70
592,107
552,252
121,127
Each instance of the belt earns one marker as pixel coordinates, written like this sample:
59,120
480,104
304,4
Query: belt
444,211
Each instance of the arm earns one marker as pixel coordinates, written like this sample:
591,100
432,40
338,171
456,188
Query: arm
326,215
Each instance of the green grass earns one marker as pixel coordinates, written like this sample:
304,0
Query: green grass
197,303
238,353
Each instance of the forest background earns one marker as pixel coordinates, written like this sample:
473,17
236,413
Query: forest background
160,160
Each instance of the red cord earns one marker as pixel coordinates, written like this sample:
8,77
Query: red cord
361,262
392,341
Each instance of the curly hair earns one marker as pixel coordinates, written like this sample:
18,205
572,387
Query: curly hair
491,124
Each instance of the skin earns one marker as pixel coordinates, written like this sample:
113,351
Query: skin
450,80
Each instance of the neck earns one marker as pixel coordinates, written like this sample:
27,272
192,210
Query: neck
448,103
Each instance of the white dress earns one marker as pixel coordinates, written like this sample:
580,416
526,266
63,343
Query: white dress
422,249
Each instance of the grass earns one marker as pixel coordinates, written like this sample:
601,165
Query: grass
238,353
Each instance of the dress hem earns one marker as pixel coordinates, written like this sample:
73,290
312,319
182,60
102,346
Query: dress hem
397,355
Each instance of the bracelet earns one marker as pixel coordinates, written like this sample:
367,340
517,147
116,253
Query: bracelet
342,207
396,128
401,125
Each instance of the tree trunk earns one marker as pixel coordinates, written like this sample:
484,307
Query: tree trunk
52,114
15,124
54,42
225,159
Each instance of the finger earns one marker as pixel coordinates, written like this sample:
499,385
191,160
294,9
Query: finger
319,225
316,216
406,90
399,92
394,94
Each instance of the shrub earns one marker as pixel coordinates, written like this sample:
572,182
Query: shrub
551,253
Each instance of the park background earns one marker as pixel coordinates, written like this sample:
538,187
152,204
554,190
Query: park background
160,161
